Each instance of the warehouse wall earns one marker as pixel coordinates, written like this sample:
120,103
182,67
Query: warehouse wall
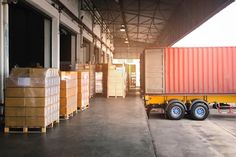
73,5
45,6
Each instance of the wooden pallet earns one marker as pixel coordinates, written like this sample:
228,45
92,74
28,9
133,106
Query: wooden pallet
68,116
17,129
116,96
83,108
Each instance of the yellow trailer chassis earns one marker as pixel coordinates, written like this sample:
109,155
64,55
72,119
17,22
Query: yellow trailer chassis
176,106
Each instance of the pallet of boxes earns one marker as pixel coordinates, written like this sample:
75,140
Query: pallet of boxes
116,82
31,100
83,90
68,94
91,80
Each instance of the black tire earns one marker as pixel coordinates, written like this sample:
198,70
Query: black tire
199,111
175,111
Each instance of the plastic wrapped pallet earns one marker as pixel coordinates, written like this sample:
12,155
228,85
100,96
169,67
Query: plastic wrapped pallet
68,93
98,82
83,89
116,84
91,80
32,98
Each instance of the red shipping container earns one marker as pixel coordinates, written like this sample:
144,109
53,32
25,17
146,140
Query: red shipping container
207,70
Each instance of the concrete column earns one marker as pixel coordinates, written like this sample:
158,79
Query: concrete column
6,38
55,43
80,54
47,46
73,50
4,47
1,56
92,55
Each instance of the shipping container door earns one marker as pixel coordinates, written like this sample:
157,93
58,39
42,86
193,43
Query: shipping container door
154,68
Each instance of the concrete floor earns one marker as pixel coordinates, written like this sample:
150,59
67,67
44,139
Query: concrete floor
214,137
110,128
119,128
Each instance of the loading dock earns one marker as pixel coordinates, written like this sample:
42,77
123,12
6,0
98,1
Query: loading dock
67,48
84,33
29,37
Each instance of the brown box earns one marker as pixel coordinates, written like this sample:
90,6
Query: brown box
30,82
37,102
29,102
67,92
68,75
40,72
17,102
67,101
33,72
14,121
37,111
27,92
15,92
68,83
37,121
15,111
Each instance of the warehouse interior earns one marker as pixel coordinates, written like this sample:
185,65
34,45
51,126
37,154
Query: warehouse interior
79,48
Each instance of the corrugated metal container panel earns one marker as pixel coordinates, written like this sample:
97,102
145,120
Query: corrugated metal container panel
154,71
200,70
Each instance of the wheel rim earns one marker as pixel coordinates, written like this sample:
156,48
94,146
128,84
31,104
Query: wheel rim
200,112
176,111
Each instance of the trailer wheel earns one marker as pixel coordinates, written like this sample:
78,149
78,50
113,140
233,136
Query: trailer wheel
175,111
199,111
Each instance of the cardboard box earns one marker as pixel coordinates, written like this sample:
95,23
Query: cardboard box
68,83
29,102
68,75
38,102
15,111
27,92
67,92
34,72
38,121
14,121
31,82
83,75
14,102
38,111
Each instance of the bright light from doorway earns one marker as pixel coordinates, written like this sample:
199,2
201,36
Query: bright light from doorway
220,30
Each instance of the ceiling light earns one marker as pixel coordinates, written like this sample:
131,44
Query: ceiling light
122,28
126,41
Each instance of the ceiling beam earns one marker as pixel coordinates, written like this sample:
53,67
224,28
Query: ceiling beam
153,16
139,3
146,16
124,18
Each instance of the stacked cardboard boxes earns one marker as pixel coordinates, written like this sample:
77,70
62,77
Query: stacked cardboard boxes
68,93
91,80
32,98
116,84
83,89
98,82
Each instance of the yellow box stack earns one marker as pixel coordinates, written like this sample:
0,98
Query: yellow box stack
83,89
68,94
32,99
